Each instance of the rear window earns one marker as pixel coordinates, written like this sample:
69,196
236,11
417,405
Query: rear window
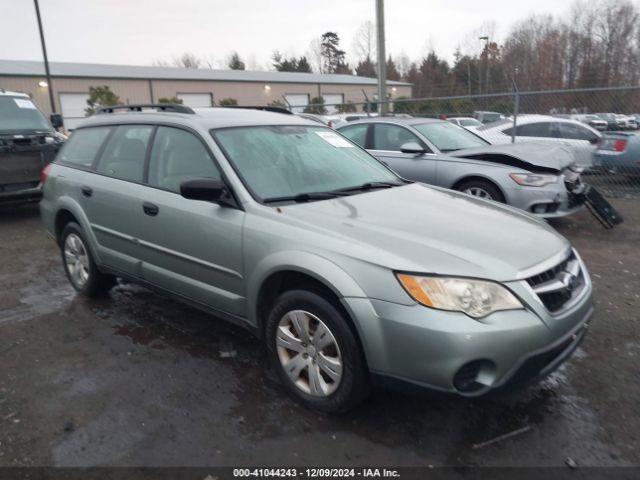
83,145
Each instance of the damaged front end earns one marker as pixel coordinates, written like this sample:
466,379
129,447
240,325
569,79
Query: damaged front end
559,198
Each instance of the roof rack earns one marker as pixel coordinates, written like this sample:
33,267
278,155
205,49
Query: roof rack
263,108
161,107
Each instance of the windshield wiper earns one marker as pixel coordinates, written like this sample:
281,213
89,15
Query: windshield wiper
340,192
368,186
303,197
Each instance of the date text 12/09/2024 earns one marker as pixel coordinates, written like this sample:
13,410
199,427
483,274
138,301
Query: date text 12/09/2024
315,473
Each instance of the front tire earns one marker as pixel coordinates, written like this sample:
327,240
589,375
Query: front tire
315,353
481,189
79,265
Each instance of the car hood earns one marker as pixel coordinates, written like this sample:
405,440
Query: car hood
555,157
420,228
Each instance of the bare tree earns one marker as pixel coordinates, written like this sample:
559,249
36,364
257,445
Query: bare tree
315,55
187,60
364,41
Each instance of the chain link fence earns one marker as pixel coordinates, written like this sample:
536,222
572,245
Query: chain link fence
605,141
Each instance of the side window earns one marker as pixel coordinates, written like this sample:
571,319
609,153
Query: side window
82,147
391,137
176,156
572,131
356,133
539,129
124,155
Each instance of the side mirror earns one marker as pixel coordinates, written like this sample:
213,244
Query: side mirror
56,120
412,147
207,189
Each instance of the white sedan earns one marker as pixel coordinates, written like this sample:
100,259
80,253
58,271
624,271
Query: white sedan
582,139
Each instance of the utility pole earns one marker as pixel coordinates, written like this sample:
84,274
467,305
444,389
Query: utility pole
382,62
46,60
484,53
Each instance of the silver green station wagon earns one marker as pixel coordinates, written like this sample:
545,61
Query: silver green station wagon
350,274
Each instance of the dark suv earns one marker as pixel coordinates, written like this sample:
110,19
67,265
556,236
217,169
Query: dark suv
28,143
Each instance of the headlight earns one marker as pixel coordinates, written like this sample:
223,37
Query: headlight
533,179
476,298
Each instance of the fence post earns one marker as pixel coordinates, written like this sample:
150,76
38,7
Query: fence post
516,108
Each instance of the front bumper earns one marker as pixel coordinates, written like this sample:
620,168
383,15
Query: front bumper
431,348
552,201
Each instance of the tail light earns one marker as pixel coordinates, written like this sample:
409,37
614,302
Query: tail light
44,174
620,145
330,124
613,144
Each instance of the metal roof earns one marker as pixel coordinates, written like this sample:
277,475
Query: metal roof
98,70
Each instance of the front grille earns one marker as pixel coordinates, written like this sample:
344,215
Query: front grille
560,285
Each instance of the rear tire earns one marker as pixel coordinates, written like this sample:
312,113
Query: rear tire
315,353
79,265
482,189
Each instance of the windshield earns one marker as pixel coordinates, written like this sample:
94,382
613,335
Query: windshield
286,161
448,137
20,114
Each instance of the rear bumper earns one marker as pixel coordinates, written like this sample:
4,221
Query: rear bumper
10,196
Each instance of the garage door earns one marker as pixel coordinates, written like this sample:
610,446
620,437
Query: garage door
195,100
331,100
73,106
297,101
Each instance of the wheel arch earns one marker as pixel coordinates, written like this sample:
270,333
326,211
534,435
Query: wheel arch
285,270
467,178
68,210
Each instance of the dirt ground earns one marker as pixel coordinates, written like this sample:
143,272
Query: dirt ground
139,379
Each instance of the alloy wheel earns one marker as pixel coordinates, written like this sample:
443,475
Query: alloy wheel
309,353
76,259
478,192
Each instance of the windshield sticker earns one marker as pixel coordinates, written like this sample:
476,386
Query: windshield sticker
334,139
21,103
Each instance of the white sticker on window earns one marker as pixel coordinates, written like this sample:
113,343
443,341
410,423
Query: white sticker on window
22,103
334,139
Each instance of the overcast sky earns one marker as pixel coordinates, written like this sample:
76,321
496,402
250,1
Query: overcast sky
138,32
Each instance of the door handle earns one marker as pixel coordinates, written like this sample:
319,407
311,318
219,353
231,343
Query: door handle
150,209
86,191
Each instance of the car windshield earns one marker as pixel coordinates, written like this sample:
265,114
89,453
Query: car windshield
448,137
20,114
282,162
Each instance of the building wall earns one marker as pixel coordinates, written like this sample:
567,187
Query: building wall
139,91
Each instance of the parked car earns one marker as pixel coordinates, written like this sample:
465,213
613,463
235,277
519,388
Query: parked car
581,138
346,271
465,122
632,123
619,152
539,179
613,122
28,143
594,121
344,118
488,117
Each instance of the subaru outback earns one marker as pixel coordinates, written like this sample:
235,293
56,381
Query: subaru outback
350,274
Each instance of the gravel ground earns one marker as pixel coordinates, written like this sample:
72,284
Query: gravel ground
139,379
